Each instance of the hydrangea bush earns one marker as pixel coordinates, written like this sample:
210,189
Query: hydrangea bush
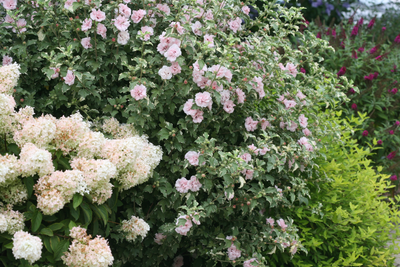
69,168
231,108
371,61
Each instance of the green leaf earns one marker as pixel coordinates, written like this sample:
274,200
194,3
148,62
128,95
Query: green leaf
101,212
36,220
74,212
77,200
28,181
9,245
71,225
87,212
56,226
61,248
163,134
46,231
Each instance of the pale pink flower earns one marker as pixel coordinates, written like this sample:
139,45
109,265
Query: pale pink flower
281,98
271,222
258,86
300,95
159,238
248,263
292,69
290,163
289,103
209,15
121,23
241,96
306,132
138,92
230,196
303,121
187,108
282,125
101,30
8,19
138,15
225,96
252,148
97,15
86,43
229,106
282,224
246,157
194,219
10,4
86,25
56,73
203,99
209,40
292,127
250,124
264,123
123,37
264,150
303,141
173,53
178,261
248,174
234,25
229,237
179,28
192,157
7,60
68,4
233,252
183,229
164,8
165,73
147,31
21,23
124,10
281,66
70,78
175,68
246,10
195,184
196,28
309,147
182,185
198,116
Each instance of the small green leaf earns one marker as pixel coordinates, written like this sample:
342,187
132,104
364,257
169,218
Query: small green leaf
9,245
28,181
77,200
36,220
46,231
56,226
87,212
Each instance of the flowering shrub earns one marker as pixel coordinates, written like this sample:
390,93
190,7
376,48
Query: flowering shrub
371,62
50,161
231,108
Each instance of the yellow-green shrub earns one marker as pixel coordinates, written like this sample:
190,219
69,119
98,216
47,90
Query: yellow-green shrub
349,219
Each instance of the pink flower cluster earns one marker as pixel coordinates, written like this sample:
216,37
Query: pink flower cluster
138,92
290,68
234,252
306,143
251,125
159,238
193,157
183,185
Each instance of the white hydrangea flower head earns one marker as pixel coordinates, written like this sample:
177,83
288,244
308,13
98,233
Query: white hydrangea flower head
9,75
134,227
27,246
34,160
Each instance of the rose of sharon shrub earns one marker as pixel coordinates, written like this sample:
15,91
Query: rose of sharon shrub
215,90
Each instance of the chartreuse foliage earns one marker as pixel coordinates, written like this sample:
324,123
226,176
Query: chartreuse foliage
349,220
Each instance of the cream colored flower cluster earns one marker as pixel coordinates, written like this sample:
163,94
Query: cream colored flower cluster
87,252
97,175
134,157
27,246
9,75
55,190
10,221
130,159
134,227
